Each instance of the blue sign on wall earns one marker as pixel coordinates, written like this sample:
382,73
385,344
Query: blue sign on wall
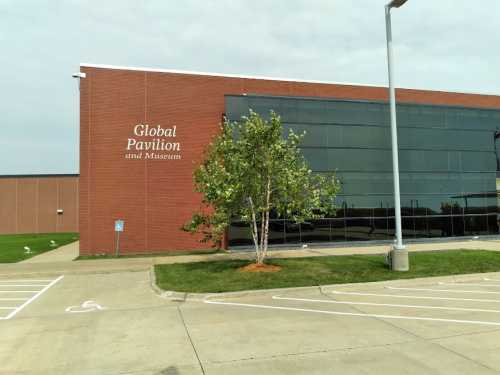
119,224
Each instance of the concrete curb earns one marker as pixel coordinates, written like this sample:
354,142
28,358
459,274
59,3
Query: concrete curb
200,297
172,296
152,280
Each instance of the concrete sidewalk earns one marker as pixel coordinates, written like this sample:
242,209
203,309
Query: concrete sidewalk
59,263
64,253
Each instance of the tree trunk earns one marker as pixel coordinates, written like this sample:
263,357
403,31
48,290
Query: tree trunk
268,209
260,260
254,230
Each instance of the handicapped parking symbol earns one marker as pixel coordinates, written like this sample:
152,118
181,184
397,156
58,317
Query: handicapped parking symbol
87,306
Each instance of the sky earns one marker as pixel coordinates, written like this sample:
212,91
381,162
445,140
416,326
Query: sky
448,45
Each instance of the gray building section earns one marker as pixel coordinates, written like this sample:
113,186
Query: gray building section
448,164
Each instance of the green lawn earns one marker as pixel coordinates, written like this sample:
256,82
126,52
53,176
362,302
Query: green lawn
223,276
12,245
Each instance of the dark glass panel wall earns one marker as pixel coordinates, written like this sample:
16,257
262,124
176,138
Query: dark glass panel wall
448,167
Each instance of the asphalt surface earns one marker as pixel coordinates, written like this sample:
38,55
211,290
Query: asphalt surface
114,323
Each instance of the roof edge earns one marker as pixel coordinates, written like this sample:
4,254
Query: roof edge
227,75
267,78
39,175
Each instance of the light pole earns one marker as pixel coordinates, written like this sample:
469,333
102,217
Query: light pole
399,254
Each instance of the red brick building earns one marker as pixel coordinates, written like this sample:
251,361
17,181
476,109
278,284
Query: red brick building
143,131
38,203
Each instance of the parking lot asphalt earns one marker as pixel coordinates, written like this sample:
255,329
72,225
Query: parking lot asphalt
114,323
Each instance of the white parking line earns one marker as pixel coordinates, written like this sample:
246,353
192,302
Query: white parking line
463,284
476,322
23,285
386,304
417,297
29,300
488,279
25,280
443,290
19,291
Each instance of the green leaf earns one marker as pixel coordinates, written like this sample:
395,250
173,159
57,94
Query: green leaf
238,165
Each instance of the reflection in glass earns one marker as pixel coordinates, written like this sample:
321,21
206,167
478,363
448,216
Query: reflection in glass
496,137
359,229
239,234
276,232
493,224
315,231
449,160
476,225
337,229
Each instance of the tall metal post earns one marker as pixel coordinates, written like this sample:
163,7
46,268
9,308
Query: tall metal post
399,255
117,252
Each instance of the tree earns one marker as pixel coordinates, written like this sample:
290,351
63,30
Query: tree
251,171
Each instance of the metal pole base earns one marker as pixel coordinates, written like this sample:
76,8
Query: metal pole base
399,260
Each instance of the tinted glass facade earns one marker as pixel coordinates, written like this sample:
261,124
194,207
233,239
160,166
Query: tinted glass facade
448,167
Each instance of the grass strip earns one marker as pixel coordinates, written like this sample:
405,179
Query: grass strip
12,246
225,276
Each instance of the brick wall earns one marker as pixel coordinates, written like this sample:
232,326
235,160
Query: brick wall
29,204
155,197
